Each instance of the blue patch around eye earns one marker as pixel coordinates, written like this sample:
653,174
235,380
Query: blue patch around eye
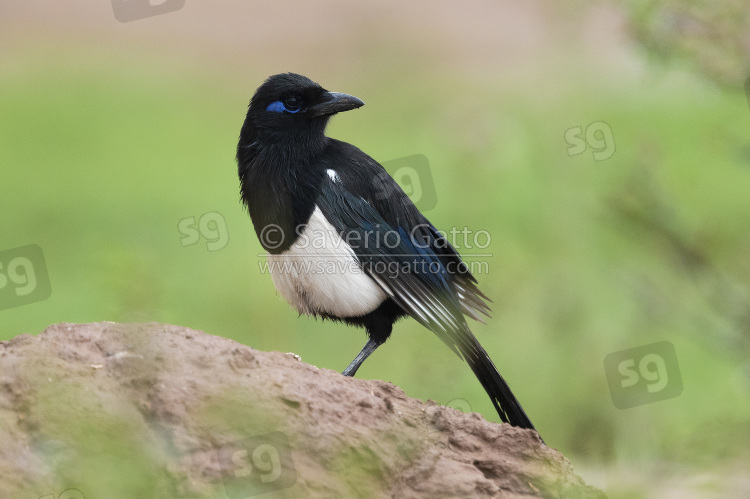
278,107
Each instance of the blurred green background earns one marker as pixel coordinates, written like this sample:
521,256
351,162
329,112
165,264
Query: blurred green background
112,133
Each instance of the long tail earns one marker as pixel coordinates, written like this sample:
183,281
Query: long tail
502,397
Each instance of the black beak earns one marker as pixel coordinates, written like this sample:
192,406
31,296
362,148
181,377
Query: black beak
334,102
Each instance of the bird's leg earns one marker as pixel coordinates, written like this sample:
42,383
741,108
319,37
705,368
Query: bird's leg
370,347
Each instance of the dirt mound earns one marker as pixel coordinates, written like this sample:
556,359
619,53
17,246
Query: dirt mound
152,410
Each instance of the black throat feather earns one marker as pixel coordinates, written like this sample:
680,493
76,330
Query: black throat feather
279,178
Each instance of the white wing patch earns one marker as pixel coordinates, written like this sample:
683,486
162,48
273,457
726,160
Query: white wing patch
320,274
333,175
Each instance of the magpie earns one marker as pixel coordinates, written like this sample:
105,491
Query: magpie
343,240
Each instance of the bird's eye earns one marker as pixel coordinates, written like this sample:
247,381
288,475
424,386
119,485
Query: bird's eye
292,103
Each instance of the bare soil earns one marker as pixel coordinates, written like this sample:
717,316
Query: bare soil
110,407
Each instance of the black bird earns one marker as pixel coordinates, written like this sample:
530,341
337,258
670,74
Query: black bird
344,241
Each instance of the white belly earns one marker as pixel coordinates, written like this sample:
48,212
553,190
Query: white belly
319,274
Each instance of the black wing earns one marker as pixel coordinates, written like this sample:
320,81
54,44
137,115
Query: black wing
407,267
366,179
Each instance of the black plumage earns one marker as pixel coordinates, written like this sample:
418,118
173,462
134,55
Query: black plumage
297,181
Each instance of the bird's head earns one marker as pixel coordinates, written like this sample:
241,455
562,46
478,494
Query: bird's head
289,106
